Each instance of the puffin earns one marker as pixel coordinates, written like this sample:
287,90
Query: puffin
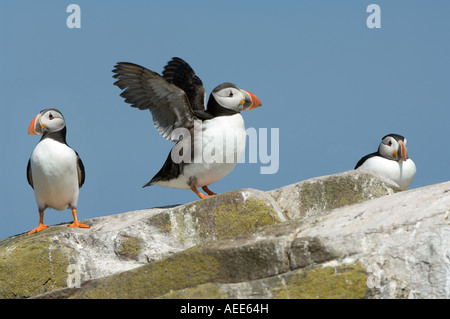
391,160
209,137
54,171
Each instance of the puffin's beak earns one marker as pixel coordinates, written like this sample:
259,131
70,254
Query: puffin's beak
401,153
35,126
250,101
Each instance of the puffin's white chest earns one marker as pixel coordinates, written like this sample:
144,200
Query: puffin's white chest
55,175
216,152
223,139
402,173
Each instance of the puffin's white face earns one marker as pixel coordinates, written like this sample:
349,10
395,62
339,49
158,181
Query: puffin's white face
48,120
231,97
393,149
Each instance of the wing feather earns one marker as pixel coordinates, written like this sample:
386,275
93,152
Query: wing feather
145,89
179,73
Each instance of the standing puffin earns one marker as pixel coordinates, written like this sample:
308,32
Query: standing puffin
177,103
391,160
54,170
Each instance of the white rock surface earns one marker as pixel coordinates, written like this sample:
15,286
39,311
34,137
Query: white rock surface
404,239
400,240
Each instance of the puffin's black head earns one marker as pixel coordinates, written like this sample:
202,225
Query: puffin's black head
229,96
47,121
393,147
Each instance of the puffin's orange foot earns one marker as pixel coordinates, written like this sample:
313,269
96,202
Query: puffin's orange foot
38,229
75,221
208,191
79,225
202,196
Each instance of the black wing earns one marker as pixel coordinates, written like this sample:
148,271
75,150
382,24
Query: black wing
146,89
81,172
170,170
29,176
362,160
179,73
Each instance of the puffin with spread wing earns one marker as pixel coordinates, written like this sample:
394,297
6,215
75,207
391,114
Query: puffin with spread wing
209,141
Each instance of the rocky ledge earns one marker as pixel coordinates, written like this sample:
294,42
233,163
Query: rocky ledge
348,235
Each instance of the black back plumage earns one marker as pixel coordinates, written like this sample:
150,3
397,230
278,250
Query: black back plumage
170,170
365,158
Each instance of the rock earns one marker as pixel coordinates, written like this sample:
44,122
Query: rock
315,196
30,266
123,242
360,238
402,239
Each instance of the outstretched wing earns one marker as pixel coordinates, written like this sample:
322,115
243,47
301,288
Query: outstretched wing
179,73
145,89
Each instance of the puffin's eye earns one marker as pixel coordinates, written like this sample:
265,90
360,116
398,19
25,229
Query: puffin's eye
390,143
231,94
51,117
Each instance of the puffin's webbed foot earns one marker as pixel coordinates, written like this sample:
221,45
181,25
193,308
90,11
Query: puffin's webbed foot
38,229
41,224
208,191
75,221
202,196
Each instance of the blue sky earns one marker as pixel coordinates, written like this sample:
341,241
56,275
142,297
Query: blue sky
332,86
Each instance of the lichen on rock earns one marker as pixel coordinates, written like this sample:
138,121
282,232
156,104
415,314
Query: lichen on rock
341,282
186,269
203,291
222,217
32,266
321,238
316,196
129,247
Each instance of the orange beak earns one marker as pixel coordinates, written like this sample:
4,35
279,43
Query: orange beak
251,103
402,151
35,126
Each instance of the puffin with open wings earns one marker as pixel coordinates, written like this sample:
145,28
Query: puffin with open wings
209,141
